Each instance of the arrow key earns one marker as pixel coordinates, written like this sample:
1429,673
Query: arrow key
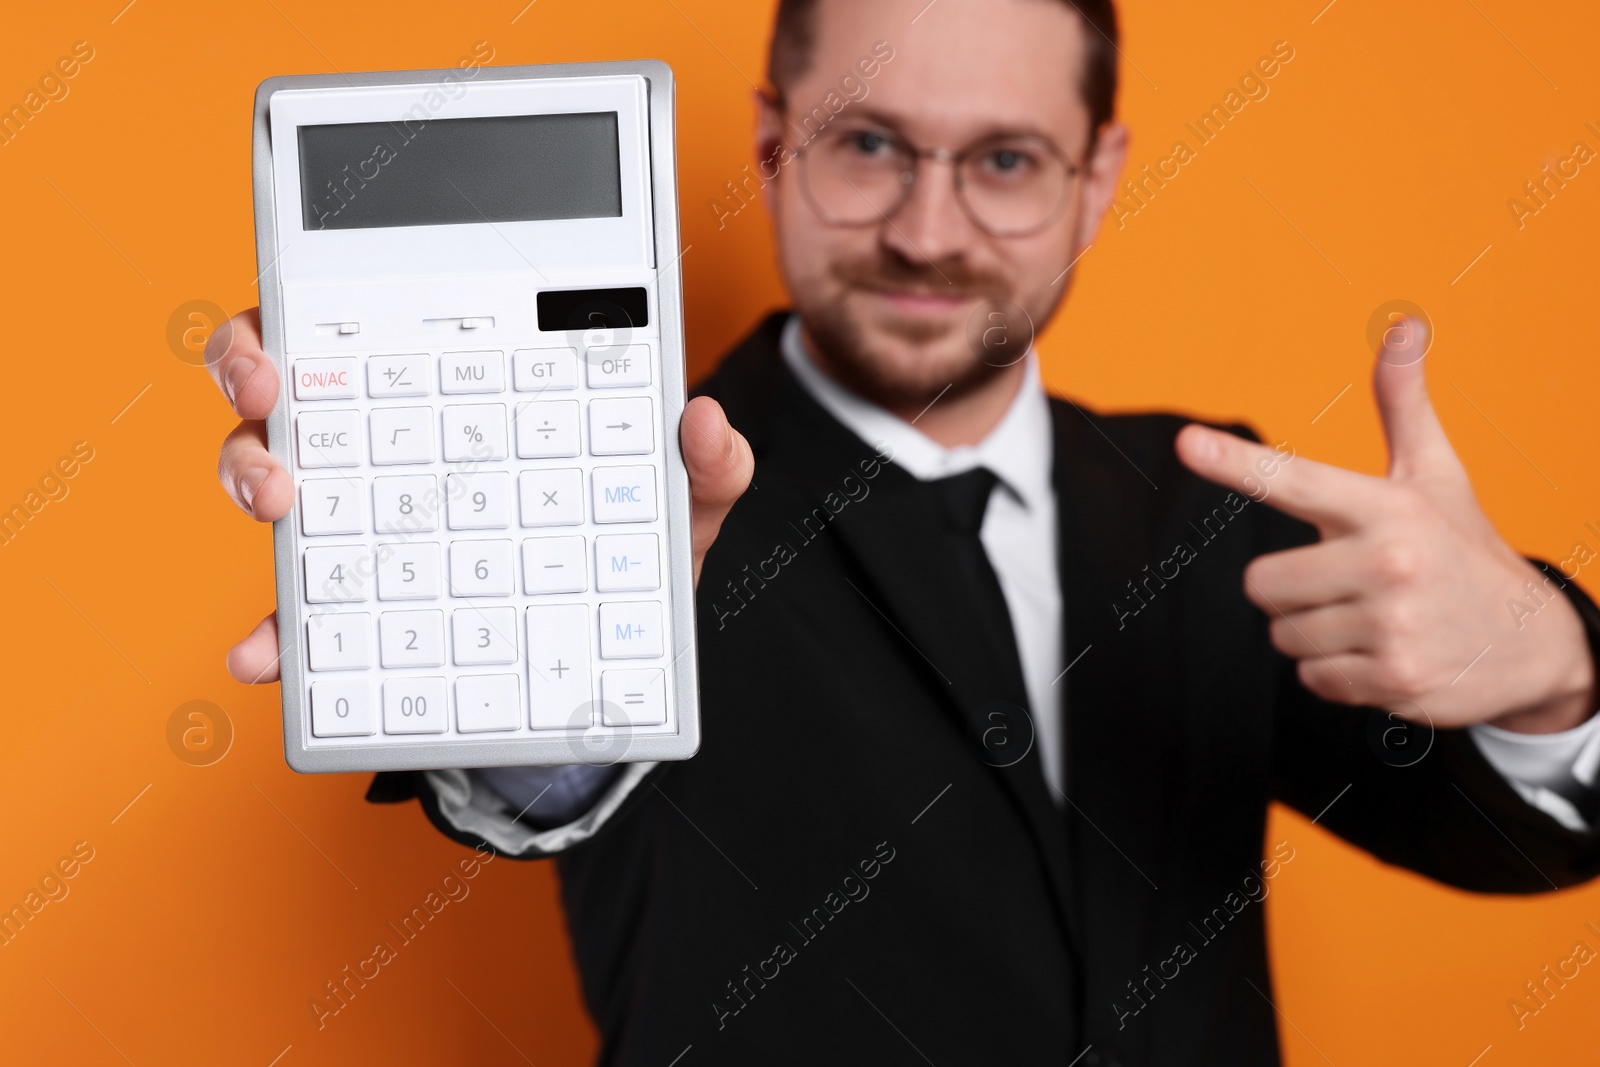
622,426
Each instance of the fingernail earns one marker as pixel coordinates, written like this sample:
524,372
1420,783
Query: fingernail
1202,445
249,482
235,377
727,439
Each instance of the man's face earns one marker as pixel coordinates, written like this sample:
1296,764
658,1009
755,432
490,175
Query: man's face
887,305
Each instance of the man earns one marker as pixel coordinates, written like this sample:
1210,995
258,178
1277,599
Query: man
997,691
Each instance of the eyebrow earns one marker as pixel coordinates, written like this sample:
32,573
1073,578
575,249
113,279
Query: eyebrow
881,118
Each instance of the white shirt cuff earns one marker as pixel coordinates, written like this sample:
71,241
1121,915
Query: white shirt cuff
473,807
1543,767
550,796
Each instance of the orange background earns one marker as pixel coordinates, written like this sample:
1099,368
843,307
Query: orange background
219,903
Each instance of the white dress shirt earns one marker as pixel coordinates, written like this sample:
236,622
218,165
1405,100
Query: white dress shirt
1019,535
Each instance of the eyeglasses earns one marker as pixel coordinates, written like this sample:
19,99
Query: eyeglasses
1009,185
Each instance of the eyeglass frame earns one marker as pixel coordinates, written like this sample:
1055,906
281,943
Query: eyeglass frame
955,158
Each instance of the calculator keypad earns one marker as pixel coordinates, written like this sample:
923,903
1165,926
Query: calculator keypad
484,543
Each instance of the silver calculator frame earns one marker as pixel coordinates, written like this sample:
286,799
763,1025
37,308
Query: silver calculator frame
679,570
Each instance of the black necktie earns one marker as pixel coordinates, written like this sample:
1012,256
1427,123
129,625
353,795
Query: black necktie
963,499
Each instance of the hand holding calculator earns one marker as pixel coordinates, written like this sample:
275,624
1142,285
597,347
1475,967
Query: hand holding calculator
489,559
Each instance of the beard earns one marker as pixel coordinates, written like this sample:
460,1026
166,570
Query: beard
948,364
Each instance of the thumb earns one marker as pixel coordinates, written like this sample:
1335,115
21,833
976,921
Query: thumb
720,465
1417,443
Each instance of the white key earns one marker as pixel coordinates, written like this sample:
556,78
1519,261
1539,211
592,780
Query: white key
618,366
478,501
482,568
559,683
630,630
333,506
535,370
339,642
484,635
408,504
554,565
551,498
341,575
409,571
624,494
402,435
475,432
624,426
627,563
329,438
391,376
487,702
547,429
325,379
633,698
472,372
342,707
411,638
415,706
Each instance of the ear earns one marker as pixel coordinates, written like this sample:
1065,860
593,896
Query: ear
1101,171
770,153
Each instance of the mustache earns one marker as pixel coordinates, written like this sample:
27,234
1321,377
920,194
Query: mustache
951,278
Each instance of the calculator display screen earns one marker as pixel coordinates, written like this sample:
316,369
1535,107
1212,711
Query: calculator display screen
436,172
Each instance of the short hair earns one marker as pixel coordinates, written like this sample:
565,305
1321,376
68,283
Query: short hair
794,35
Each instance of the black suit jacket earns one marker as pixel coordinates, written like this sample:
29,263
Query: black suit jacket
863,863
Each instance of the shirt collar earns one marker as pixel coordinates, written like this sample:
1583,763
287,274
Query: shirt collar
1018,450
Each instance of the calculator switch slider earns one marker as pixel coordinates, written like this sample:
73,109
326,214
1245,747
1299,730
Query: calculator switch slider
325,379
329,438
560,686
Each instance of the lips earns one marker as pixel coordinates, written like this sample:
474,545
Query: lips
922,299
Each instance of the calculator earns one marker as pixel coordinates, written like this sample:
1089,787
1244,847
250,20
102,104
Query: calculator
470,288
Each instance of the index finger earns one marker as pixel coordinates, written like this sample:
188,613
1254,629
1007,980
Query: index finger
1334,500
240,368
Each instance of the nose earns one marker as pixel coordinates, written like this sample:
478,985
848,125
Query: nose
931,226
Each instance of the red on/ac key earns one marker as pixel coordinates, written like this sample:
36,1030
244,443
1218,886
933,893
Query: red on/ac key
331,378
